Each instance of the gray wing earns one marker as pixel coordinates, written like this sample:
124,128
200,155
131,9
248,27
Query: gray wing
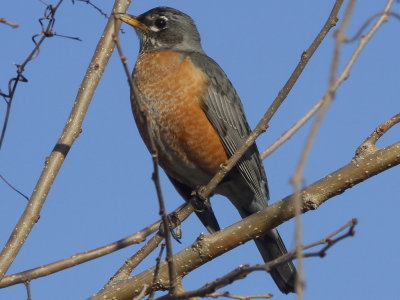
249,190
224,109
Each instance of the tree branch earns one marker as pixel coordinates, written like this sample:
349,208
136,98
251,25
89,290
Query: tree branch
297,178
11,24
242,271
263,123
369,145
155,177
291,131
71,131
208,247
181,213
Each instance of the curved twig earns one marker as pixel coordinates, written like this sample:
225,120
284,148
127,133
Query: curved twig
181,213
369,145
154,155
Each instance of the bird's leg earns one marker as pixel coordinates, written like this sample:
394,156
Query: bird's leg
199,202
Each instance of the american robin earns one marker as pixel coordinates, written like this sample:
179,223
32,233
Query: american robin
196,121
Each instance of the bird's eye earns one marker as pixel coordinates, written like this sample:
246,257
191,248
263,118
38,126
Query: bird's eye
160,23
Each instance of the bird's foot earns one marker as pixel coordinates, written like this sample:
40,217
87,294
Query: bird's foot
199,202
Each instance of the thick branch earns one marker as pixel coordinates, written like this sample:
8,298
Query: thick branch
242,271
208,247
71,131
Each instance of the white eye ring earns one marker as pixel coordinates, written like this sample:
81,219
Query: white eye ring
157,27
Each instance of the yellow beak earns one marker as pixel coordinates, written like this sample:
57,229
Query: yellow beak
133,21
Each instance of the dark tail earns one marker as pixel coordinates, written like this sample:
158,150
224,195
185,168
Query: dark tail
271,246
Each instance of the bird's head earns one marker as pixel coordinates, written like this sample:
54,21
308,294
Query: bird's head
165,28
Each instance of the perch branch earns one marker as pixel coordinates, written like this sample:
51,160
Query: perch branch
207,247
241,272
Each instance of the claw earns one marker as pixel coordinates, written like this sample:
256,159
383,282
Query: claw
177,234
173,221
199,202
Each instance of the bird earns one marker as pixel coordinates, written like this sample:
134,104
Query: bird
187,109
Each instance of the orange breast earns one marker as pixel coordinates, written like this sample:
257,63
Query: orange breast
172,89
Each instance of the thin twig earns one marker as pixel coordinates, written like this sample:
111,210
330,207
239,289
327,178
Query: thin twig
333,86
181,212
283,93
233,296
165,221
11,24
157,269
43,2
46,32
92,5
79,258
70,133
366,24
331,242
49,14
297,178
291,131
67,36
132,262
362,43
297,181
13,187
154,155
340,38
353,222
328,241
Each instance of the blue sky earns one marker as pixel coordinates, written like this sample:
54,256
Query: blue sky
104,192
